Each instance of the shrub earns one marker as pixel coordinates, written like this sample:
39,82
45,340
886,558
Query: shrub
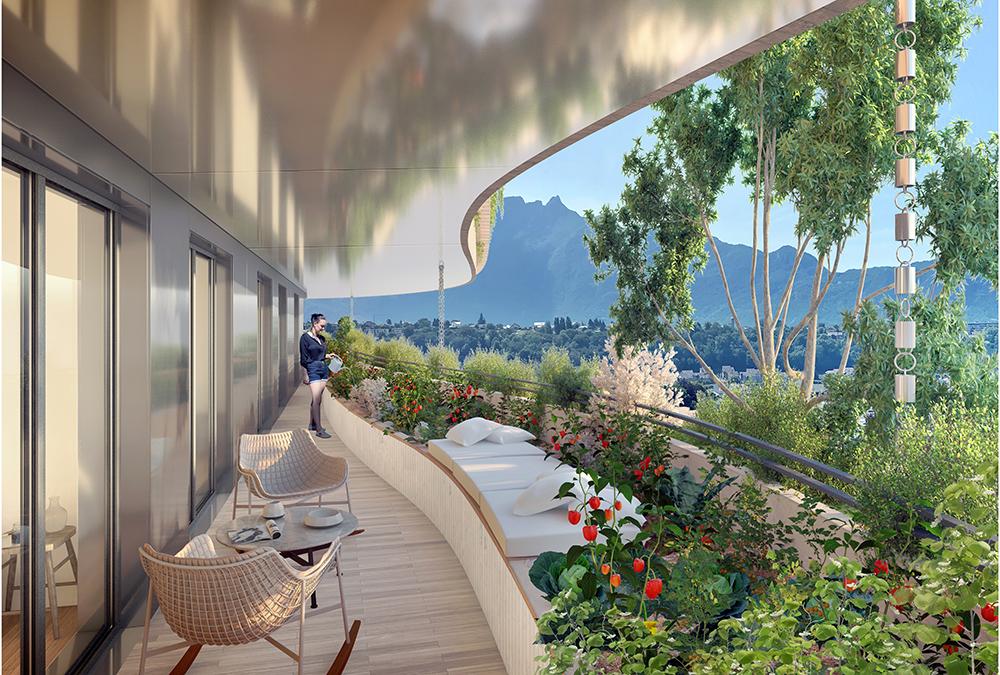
646,376
928,454
441,358
774,412
493,371
339,334
359,342
371,395
344,381
398,353
568,384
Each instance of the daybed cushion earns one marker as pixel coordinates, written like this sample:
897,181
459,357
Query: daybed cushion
501,473
447,452
471,431
526,536
507,434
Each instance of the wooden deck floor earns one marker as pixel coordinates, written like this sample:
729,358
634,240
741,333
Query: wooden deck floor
419,614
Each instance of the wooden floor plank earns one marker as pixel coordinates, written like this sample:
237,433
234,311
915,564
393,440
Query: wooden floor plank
401,579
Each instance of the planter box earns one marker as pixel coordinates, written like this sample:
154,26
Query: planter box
501,585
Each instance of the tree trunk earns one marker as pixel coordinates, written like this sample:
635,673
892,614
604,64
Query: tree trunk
809,364
768,346
689,346
849,340
767,364
729,297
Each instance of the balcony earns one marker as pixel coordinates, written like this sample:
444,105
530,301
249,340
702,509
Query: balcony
180,178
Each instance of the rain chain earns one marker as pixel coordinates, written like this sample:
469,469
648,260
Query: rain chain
906,219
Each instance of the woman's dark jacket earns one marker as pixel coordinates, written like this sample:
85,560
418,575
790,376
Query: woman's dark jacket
310,350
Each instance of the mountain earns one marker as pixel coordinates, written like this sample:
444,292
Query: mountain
539,268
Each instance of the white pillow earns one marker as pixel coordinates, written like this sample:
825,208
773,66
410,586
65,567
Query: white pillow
540,496
505,434
471,431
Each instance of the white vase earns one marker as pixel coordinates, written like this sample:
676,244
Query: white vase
55,516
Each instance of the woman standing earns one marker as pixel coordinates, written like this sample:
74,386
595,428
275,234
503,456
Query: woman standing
312,358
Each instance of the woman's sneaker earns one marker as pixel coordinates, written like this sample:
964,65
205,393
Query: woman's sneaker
322,433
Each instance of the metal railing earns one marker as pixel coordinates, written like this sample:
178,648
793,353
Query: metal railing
709,435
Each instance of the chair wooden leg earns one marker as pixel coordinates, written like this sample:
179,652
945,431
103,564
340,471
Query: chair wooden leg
344,655
71,552
185,663
50,581
236,495
145,630
302,630
343,604
11,575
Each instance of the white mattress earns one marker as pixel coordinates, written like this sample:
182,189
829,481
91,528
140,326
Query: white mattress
447,452
501,473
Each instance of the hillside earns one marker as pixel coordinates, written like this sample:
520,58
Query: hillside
539,268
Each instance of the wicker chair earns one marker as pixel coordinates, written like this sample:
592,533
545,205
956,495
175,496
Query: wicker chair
287,465
231,600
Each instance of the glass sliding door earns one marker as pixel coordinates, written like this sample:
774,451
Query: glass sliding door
283,350
77,401
56,423
264,360
202,378
14,307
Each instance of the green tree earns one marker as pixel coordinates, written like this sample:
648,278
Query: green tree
959,198
951,365
807,122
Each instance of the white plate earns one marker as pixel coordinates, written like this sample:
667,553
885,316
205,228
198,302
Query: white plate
323,517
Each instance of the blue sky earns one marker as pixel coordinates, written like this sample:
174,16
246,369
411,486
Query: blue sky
587,174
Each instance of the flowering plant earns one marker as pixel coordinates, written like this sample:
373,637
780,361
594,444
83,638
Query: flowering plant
462,403
637,376
410,393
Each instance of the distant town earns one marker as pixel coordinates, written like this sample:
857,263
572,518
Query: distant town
719,344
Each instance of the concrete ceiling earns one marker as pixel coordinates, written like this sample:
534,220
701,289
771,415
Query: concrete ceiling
349,143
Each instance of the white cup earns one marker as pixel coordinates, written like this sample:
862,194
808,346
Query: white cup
274,510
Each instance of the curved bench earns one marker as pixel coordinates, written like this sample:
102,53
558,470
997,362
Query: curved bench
508,600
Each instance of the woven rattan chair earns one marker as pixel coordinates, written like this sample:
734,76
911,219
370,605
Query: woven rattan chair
286,466
232,600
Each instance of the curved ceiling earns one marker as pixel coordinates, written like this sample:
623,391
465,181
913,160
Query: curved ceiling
350,143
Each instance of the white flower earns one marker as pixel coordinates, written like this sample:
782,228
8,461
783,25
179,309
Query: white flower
638,376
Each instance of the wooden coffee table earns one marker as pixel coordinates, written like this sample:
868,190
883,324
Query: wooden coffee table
298,540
